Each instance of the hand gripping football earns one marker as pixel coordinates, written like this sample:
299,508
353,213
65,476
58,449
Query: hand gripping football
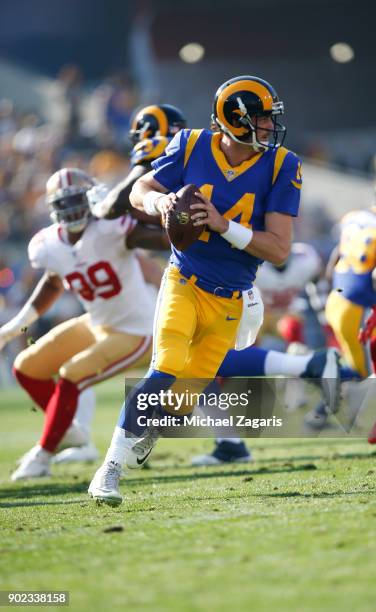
179,226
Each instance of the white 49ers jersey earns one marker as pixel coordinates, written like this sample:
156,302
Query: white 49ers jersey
280,287
105,276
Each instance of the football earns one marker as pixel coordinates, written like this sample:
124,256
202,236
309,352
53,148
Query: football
179,226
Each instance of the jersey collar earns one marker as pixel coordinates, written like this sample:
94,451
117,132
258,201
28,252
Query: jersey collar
230,172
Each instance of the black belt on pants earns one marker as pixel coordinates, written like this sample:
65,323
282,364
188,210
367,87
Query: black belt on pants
219,291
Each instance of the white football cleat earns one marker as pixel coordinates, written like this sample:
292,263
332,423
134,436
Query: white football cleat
24,457
104,487
36,464
75,436
84,454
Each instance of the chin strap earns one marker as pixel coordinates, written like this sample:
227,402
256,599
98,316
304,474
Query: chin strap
257,146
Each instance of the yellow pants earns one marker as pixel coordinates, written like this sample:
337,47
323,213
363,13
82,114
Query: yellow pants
194,329
83,354
345,318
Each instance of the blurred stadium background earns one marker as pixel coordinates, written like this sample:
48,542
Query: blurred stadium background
73,71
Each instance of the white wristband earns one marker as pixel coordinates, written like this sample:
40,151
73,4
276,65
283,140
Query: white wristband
238,235
27,315
149,202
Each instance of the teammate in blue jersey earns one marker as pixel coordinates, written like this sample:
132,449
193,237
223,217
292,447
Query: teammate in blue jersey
353,265
152,128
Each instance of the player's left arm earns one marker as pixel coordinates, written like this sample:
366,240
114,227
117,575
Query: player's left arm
274,244
281,206
149,237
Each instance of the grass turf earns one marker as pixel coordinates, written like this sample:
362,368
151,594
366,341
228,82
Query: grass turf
295,530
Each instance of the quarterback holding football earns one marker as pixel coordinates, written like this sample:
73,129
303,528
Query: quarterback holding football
249,191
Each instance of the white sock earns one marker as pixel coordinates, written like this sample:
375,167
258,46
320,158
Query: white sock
234,440
283,364
85,410
118,447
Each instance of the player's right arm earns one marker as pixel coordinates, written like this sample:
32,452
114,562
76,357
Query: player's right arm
47,291
45,294
116,202
151,197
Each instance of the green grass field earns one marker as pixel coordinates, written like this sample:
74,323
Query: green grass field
294,531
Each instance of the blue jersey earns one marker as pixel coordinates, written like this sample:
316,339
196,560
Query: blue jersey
269,182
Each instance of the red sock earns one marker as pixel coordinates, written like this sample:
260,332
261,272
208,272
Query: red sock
40,391
59,414
373,353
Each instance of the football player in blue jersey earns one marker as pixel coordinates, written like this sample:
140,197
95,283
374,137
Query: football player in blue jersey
152,128
253,184
249,193
353,265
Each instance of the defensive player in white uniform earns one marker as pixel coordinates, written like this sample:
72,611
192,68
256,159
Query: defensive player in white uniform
94,259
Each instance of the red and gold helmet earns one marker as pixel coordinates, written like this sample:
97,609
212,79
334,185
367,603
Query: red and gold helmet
237,105
156,120
67,199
